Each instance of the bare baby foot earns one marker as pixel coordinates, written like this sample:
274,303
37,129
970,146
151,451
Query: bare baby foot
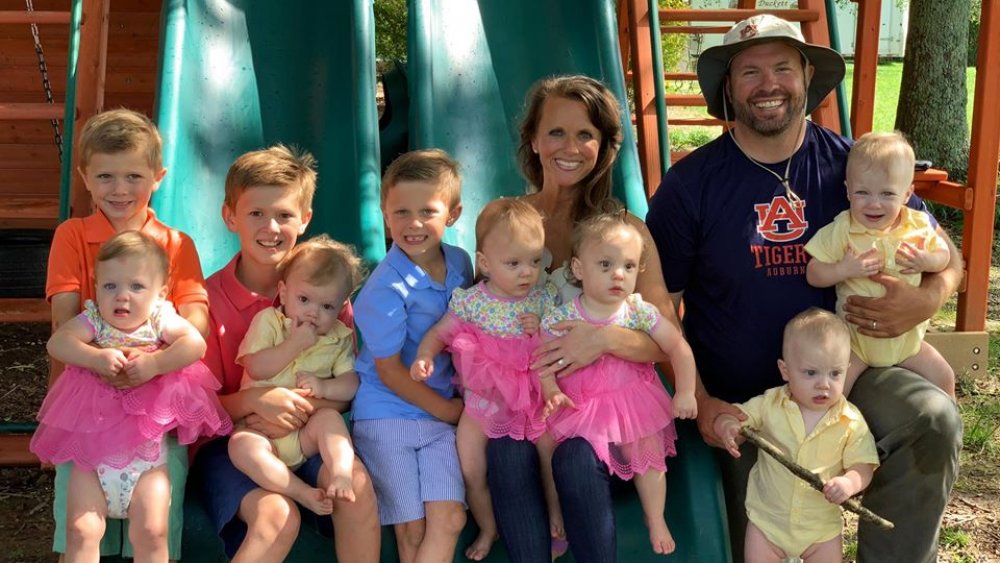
316,501
340,488
659,536
480,548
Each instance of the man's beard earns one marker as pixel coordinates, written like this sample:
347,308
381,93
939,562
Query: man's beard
770,127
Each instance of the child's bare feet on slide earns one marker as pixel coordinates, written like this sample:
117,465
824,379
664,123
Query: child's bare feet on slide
659,536
340,488
315,500
481,546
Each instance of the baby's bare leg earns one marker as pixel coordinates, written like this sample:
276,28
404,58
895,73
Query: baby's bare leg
471,444
545,446
854,370
830,551
652,487
253,454
148,513
86,513
931,365
758,549
327,434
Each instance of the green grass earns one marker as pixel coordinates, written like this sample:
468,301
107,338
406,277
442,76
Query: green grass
954,538
887,79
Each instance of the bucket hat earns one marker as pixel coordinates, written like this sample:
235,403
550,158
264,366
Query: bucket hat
713,64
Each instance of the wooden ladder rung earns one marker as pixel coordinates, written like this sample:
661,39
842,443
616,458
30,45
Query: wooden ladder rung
699,121
694,29
734,15
14,111
27,310
14,450
685,100
38,17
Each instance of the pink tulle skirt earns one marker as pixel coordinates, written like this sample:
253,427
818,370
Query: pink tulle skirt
88,422
623,411
501,392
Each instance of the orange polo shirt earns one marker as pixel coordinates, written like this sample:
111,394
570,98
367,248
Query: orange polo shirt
73,257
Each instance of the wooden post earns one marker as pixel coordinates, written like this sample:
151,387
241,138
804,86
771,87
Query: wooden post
984,151
826,114
644,94
865,66
90,71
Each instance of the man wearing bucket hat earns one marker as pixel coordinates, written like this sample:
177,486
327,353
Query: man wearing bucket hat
730,222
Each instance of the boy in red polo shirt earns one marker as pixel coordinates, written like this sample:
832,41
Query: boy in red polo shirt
121,164
268,204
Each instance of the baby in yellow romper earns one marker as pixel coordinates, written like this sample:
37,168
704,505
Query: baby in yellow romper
302,344
880,235
811,421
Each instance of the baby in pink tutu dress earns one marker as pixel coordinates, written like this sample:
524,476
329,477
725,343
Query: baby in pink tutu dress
110,409
620,407
491,330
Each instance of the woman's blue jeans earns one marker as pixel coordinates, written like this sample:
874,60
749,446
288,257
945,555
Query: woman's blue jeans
584,487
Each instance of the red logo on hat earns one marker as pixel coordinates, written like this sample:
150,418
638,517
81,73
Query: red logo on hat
748,31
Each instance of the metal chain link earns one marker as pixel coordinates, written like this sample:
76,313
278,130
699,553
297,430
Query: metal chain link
44,70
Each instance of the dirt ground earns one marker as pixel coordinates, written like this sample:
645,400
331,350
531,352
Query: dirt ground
971,529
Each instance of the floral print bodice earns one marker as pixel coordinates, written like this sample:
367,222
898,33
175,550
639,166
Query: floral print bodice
634,314
497,315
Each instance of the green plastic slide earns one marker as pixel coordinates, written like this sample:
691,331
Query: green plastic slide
239,75
470,65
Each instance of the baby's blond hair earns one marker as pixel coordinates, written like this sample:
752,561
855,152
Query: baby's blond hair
889,152
325,261
815,325
127,244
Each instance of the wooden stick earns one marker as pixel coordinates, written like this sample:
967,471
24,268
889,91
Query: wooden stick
809,477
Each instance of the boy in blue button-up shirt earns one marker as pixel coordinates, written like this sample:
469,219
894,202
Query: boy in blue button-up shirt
403,429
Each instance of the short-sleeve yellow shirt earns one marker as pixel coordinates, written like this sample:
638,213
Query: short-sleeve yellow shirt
830,244
785,508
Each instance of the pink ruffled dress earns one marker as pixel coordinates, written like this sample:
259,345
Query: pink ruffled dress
622,408
492,359
88,422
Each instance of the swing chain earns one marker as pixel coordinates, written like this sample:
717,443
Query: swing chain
44,70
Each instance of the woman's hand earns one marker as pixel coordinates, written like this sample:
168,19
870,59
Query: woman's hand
581,344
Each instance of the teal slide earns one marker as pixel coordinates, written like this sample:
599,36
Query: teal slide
244,74
470,65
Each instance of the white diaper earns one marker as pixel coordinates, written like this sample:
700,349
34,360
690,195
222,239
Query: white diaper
118,484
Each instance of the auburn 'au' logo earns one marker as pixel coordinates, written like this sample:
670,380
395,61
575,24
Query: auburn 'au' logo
781,220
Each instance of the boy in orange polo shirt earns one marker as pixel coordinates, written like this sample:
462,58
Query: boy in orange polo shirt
121,164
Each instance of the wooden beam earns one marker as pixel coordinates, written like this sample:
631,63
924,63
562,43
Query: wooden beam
29,207
14,450
984,151
37,17
816,31
28,111
24,311
643,73
697,15
698,29
865,66
91,67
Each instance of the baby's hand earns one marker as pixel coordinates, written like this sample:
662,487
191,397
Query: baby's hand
141,367
685,406
309,382
854,265
915,259
108,362
529,323
556,402
303,335
421,369
838,489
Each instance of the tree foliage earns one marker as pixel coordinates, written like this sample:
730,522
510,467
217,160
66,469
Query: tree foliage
390,29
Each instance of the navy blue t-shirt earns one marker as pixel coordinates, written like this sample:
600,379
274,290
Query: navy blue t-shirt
732,242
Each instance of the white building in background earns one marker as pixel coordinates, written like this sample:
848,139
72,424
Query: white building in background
892,35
